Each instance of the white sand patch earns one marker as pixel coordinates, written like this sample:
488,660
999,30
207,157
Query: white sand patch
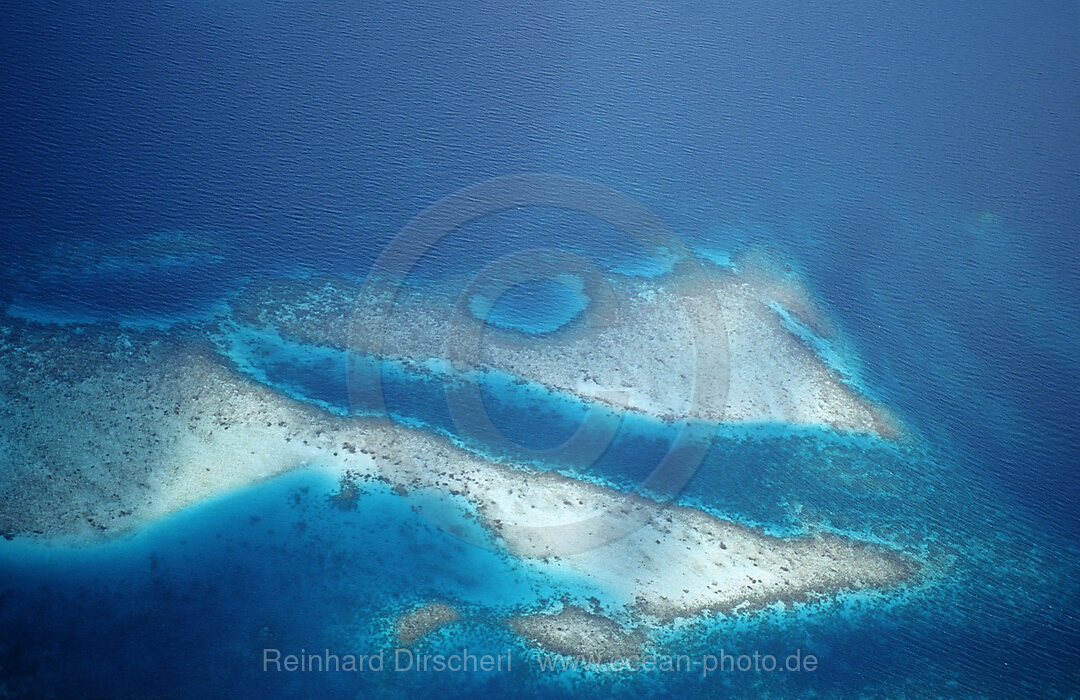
663,560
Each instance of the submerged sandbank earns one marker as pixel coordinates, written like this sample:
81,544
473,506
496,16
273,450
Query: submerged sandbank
698,343
107,430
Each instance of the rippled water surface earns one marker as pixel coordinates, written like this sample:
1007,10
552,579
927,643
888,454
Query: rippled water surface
917,167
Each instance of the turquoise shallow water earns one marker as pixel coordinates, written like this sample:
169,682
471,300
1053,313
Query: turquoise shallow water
279,565
917,164
533,307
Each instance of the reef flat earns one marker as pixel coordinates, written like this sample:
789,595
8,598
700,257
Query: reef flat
107,430
704,343
670,561
112,429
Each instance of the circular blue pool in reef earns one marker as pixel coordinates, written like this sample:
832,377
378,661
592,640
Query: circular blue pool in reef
534,307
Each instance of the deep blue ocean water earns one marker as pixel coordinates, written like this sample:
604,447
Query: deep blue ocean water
919,164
